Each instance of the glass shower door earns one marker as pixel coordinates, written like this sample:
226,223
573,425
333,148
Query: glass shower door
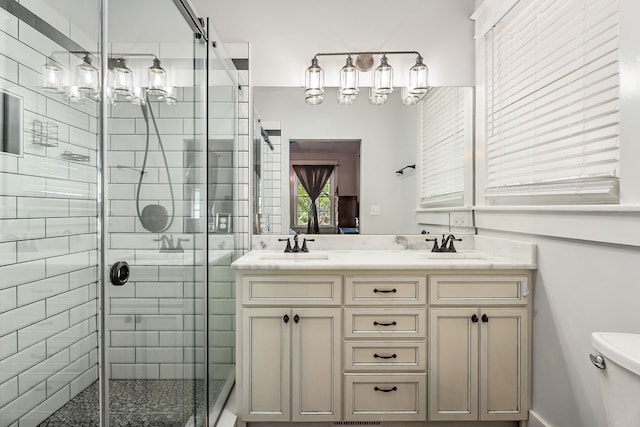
48,214
157,223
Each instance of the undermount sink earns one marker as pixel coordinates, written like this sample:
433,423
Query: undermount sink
454,255
296,256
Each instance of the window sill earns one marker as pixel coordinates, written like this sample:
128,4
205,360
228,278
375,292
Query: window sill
611,224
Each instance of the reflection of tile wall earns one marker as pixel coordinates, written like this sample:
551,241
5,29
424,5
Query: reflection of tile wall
48,241
156,320
271,219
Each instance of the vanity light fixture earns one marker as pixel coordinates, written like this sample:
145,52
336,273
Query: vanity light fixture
52,77
86,79
382,78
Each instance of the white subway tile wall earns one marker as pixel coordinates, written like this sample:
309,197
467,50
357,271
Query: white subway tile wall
48,254
156,321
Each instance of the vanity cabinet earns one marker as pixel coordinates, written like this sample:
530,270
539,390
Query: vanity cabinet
479,354
290,355
383,345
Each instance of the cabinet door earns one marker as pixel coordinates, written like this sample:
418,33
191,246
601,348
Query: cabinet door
316,376
453,364
266,364
503,364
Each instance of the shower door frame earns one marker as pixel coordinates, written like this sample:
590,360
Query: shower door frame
196,25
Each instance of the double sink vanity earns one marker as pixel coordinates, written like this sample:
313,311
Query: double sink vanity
393,332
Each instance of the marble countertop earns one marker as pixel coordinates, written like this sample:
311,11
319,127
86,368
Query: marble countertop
379,260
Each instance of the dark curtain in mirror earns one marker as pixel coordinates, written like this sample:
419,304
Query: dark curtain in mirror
313,178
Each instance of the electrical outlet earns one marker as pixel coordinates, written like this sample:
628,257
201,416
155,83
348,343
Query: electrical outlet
375,210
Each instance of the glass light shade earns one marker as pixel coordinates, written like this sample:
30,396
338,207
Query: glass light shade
409,98
138,96
74,95
52,78
314,99
419,78
122,79
377,98
170,97
383,78
87,77
345,99
349,79
314,80
157,79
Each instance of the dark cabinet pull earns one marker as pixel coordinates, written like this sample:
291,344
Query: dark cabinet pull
384,291
286,318
376,323
474,318
296,318
485,318
387,390
377,356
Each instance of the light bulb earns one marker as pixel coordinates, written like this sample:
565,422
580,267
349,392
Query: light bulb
52,78
419,78
157,79
349,78
87,77
383,77
314,80
122,79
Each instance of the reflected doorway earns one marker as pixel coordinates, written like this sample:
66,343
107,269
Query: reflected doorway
338,203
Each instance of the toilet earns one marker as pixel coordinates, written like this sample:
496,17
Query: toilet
618,363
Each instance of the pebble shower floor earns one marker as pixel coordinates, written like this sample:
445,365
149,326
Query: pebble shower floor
135,403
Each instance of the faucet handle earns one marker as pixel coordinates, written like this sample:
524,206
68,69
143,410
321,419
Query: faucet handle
164,243
288,247
435,247
452,248
179,244
304,244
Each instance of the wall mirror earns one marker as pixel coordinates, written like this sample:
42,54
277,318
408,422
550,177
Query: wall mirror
388,138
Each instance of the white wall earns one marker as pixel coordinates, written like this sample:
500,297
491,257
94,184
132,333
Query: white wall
389,137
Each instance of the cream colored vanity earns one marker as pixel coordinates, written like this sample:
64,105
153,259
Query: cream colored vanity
382,336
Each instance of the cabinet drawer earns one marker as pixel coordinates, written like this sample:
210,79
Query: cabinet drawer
478,290
291,290
384,322
360,290
387,356
390,397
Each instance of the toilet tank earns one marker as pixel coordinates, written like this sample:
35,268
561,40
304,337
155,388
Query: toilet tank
619,377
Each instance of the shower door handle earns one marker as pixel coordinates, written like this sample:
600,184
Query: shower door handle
119,274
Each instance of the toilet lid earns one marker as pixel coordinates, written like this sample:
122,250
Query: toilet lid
621,348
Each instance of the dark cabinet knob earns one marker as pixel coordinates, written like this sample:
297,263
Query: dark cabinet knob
474,318
286,318
296,318
485,318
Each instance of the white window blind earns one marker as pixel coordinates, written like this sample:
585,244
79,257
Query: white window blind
446,128
552,81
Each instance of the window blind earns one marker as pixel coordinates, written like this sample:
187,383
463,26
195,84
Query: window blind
445,128
552,111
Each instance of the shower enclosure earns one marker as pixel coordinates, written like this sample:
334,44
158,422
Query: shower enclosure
118,214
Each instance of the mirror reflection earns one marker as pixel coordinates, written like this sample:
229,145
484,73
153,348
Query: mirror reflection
364,145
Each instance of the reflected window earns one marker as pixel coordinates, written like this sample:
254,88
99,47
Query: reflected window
324,204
